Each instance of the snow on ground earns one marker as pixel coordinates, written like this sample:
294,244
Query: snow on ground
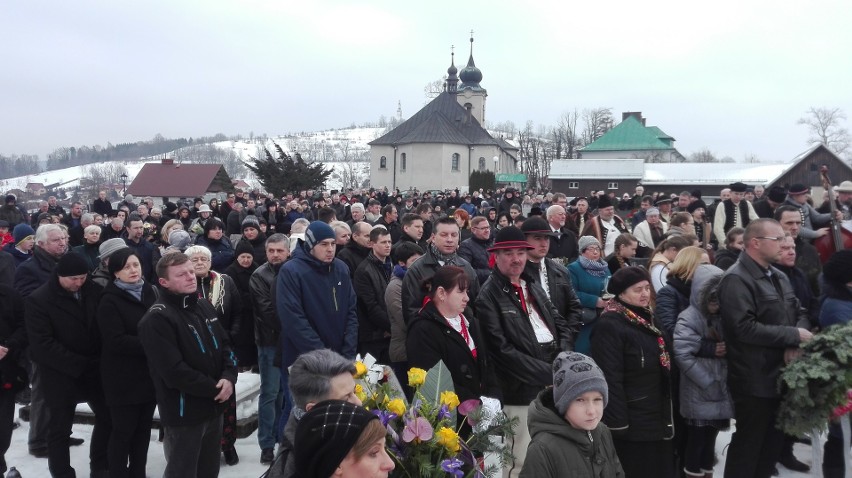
249,452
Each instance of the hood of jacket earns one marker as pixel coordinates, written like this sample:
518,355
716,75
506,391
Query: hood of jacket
542,418
705,275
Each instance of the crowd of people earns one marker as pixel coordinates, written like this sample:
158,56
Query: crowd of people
614,329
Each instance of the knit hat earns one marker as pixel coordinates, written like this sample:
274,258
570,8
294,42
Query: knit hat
10,198
128,198
72,264
179,239
604,201
170,207
587,241
839,267
573,375
777,194
21,232
317,232
243,247
326,434
738,187
626,277
798,189
108,247
697,204
695,193
652,211
4,223
251,221
510,238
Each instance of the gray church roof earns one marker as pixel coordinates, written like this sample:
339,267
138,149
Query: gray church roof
443,120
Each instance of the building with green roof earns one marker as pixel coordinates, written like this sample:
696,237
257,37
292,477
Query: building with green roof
631,139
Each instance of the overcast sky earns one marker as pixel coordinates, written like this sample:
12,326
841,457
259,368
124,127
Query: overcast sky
731,76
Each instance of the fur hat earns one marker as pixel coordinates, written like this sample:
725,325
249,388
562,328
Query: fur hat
587,241
72,264
317,232
573,375
777,194
325,435
604,201
510,238
626,277
108,247
738,187
697,204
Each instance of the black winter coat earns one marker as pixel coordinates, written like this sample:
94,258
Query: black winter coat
475,251
672,299
640,396
229,307
371,280
63,332
524,368
242,278
422,269
352,255
221,250
258,245
13,336
564,246
188,354
430,339
562,293
34,272
759,323
267,327
124,367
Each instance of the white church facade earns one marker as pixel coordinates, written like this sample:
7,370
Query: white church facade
443,143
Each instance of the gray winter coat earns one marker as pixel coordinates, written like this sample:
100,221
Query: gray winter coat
704,391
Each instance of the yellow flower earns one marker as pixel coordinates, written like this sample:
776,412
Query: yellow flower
449,439
360,369
450,399
396,406
416,376
359,392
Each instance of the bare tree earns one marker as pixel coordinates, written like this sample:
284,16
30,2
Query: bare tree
567,127
434,88
596,122
703,155
825,126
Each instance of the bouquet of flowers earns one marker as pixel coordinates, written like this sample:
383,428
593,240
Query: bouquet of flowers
423,435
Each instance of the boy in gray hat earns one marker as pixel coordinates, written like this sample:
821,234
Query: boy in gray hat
568,438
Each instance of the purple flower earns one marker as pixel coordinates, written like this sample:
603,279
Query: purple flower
384,416
468,406
453,466
443,413
417,429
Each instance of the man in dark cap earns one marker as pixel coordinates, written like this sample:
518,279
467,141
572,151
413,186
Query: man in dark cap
66,346
766,207
732,212
814,224
523,330
605,226
664,205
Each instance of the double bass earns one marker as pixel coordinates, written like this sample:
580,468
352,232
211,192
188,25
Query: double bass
839,238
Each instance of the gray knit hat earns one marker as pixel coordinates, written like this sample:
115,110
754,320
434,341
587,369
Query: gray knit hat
587,241
573,375
108,247
179,239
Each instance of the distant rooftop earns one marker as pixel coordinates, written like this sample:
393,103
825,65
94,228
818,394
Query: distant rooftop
597,169
632,135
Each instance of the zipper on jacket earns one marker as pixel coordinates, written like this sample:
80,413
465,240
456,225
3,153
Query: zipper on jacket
334,296
212,335
592,440
198,338
182,401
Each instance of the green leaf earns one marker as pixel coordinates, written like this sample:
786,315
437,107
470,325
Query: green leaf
438,379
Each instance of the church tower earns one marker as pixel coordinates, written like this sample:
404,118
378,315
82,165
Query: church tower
470,95
452,85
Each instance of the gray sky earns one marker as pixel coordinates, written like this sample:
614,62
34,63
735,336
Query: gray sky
731,76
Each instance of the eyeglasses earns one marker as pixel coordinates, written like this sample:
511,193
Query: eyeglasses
483,228
776,239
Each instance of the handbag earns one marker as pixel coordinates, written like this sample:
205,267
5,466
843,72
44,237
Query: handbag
589,315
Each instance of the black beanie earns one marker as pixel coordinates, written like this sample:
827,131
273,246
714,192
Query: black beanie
243,247
698,203
71,264
325,435
625,278
838,269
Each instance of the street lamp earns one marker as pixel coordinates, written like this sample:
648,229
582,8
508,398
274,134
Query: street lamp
496,164
124,184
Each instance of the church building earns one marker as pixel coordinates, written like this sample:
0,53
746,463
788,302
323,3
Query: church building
443,143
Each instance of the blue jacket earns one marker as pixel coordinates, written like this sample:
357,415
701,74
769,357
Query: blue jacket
316,305
221,250
587,286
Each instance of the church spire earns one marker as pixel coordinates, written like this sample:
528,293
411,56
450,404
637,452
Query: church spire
471,75
452,79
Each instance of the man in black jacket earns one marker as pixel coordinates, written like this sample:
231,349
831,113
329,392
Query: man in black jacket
563,241
523,331
389,220
66,346
193,369
554,279
267,333
474,249
371,280
763,326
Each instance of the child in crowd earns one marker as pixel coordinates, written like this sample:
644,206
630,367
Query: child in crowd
567,436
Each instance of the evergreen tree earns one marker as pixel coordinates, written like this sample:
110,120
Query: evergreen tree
284,173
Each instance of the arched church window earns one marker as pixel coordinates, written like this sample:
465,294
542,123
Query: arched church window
482,164
383,163
402,162
455,162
